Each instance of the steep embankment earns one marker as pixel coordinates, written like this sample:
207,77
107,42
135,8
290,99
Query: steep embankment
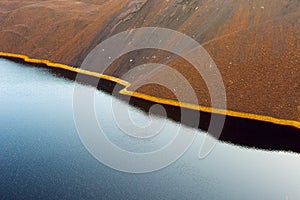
254,43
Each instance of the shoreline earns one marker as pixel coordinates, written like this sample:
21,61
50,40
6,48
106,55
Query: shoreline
244,129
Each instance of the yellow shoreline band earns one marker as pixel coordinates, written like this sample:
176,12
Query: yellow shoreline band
152,98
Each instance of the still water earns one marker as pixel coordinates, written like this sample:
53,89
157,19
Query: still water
42,157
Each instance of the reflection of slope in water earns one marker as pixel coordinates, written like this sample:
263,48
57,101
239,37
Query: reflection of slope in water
40,151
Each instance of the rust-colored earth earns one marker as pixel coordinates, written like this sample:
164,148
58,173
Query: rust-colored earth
254,43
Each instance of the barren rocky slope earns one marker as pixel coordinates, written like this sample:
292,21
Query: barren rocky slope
255,43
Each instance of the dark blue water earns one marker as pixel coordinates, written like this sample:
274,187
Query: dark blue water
42,157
